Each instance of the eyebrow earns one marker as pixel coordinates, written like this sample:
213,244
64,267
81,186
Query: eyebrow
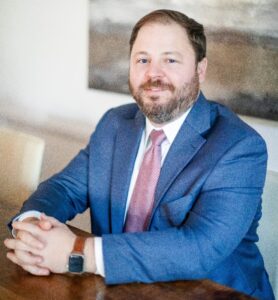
172,52
140,53
164,53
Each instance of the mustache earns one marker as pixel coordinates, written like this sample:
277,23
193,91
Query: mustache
157,84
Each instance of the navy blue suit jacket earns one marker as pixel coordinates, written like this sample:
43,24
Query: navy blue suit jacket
207,202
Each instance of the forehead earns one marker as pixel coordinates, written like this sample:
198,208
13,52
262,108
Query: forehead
160,36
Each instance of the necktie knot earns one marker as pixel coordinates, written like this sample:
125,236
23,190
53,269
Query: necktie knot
157,137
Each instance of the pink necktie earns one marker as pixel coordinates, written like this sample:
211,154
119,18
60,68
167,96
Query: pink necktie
142,199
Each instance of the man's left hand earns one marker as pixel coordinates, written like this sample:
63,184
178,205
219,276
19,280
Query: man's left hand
58,243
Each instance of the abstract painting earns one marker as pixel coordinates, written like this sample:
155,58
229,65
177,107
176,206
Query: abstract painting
242,48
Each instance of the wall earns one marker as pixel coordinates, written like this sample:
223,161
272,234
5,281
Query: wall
43,59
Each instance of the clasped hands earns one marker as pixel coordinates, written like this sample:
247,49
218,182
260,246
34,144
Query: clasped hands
41,245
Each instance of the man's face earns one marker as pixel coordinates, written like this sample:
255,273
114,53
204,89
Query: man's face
163,77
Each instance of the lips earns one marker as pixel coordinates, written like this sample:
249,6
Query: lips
156,89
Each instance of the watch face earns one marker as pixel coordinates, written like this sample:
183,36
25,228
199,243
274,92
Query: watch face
76,263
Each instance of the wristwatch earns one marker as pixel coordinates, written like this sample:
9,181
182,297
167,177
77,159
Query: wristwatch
76,258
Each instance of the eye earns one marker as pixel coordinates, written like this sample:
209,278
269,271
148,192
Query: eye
142,60
171,60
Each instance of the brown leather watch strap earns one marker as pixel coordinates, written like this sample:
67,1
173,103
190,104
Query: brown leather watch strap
79,244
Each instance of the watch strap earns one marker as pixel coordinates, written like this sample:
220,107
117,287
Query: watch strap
79,244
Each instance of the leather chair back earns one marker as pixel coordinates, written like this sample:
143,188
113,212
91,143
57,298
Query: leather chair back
21,157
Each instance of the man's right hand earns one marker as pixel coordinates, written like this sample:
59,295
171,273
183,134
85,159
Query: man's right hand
23,244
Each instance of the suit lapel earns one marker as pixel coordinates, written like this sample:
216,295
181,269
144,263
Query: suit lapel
187,143
126,147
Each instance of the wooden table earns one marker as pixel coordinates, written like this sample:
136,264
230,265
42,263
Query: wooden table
15,283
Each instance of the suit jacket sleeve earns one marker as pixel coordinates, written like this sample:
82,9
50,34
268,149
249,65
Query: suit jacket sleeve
65,194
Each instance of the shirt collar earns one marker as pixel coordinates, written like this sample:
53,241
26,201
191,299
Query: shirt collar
170,129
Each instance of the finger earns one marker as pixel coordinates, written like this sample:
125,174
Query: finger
12,257
33,269
52,220
32,220
16,244
26,226
29,239
45,225
26,257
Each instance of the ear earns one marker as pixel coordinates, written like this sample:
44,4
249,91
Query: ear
201,69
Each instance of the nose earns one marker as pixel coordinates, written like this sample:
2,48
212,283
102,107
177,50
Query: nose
154,70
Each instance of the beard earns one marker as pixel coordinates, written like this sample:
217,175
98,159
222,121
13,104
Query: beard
179,101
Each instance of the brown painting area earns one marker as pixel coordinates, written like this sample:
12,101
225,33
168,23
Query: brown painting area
242,72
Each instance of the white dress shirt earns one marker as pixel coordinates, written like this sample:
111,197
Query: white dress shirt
171,130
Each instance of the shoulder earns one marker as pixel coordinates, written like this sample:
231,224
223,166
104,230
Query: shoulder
117,117
241,151
123,112
231,122
210,118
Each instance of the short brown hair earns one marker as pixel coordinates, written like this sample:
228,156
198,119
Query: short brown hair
194,30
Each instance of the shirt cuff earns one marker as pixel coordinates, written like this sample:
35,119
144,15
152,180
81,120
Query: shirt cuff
99,257
25,215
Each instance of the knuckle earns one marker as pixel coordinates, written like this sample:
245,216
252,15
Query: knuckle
20,246
19,234
22,235
22,255
18,253
25,237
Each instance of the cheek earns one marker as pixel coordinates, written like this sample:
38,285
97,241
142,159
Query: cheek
131,75
181,76
133,81
176,78
136,77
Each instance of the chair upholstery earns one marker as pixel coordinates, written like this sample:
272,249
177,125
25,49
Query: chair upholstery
21,159
268,229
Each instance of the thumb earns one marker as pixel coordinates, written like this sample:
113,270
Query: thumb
48,221
45,225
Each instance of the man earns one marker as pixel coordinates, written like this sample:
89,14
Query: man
174,184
